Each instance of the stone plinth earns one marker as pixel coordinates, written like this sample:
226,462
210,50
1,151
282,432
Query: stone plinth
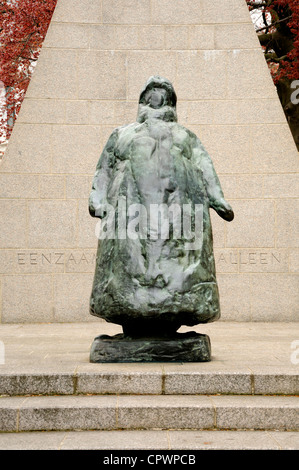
183,347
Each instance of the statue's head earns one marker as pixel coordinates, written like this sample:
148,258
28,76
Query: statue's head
158,86
157,99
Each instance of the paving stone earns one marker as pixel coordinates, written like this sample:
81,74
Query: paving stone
207,382
152,440
119,378
286,440
258,412
31,440
63,413
9,413
222,440
117,440
282,382
165,412
35,383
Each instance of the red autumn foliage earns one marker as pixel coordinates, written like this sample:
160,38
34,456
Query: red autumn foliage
24,23
23,27
280,34
289,67
279,38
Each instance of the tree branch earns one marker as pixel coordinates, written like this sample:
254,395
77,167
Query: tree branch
274,24
255,5
274,58
265,38
26,58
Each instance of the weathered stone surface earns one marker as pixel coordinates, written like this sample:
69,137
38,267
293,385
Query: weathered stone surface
71,307
9,413
13,233
61,62
69,35
120,379
44,223
19,186
204,72
32,154
244,412
141,64
52,187
36,384
233,440
38,291
165,412
42,111
127,11
186,12
254,231
87,11
69,146
105,82
46,413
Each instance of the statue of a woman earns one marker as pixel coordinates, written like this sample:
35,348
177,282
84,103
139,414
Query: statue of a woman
151,277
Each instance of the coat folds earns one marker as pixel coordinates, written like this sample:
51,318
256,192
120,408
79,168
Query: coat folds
157,273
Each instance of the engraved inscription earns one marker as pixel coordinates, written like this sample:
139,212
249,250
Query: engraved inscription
231,258
84,260
252,260
253,257
55,258
250,257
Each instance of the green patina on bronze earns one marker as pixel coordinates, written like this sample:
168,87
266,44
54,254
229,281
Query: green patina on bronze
153,286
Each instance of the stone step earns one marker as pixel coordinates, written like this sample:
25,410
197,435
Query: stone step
148,412
152,440
123,379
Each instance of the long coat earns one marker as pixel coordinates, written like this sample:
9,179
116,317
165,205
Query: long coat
152,163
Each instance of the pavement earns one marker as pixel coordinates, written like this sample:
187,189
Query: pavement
50,360
65,346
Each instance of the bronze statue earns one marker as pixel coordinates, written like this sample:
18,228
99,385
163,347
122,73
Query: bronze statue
153,188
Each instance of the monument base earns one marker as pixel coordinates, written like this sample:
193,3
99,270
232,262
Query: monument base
183,347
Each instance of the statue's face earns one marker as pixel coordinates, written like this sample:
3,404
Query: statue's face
156,98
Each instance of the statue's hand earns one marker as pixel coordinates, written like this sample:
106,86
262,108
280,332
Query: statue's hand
224,210
100,211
